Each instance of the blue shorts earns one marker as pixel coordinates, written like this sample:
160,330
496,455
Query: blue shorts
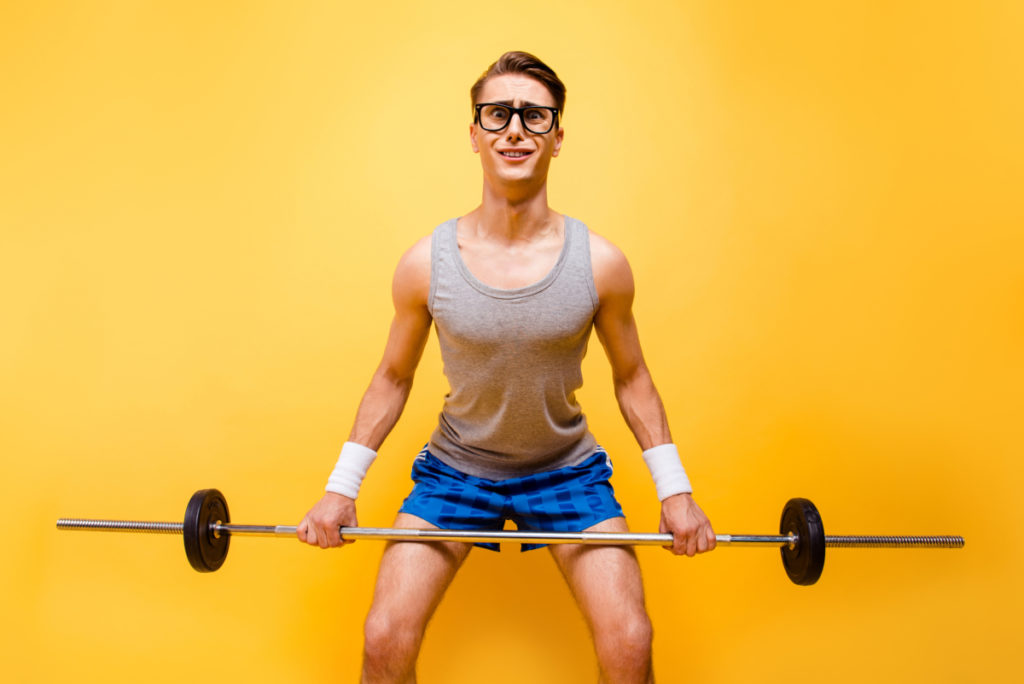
565,500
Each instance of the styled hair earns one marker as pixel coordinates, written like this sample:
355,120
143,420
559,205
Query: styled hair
528,65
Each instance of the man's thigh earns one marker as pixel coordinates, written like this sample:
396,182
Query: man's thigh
413,576
605,580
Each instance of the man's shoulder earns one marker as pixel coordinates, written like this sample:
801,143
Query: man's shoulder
417,254
605,254
417,257
612,274
412,275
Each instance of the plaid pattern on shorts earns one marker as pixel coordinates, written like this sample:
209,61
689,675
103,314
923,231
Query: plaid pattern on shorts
565,500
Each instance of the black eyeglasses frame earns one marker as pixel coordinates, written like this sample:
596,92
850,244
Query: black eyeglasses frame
512,112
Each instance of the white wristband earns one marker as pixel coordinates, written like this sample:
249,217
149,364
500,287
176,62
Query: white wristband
667,471
354,461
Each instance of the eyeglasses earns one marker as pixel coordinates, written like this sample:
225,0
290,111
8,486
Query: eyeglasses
496,117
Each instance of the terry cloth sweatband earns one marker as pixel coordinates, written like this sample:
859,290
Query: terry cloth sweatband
354,461
667,471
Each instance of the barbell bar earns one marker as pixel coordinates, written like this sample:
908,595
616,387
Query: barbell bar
207,531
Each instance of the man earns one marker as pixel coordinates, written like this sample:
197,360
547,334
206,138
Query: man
514,289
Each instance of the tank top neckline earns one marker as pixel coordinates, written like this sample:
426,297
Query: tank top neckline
500,293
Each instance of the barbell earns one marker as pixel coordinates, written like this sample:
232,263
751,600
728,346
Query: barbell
207,531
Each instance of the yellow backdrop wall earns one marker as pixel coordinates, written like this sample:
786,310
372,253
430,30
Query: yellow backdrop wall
201,208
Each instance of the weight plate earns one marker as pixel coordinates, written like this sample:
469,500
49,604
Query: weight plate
206,552
806,560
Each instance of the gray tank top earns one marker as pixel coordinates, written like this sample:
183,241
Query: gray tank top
512,359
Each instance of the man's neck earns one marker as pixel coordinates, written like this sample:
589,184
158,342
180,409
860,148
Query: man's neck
514,218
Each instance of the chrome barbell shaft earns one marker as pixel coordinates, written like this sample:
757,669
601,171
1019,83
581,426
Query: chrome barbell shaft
497,536
404,534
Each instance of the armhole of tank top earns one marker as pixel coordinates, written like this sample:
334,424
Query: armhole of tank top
435,250
591,285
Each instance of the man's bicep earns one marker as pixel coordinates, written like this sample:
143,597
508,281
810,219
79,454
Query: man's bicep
617,331
410,327
406,341
614,322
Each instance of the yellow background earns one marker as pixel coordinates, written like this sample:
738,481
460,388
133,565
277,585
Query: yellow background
201,208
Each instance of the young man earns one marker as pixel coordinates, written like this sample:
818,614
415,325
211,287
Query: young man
514,289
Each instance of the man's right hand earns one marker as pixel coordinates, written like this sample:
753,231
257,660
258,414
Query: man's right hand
320,526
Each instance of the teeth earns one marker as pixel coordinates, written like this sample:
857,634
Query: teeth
515,154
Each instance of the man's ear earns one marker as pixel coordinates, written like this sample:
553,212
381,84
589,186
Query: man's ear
472,138
559,136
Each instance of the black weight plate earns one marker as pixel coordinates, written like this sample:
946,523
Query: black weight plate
805,562
205,551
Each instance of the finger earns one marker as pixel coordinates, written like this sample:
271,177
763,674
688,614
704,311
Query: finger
307,534
663,530
712,539
333,538
702,540
691,545
300,531
671,548
322,537
680,545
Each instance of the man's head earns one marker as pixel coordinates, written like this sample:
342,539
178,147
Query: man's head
516,128
526,64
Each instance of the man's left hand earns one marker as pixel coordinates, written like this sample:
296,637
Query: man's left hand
690,528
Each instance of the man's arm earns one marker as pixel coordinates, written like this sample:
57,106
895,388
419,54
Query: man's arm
637,396
385,398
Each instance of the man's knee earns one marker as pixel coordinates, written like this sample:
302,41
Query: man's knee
389,637
628,640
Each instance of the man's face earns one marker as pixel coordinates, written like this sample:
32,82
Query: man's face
515,155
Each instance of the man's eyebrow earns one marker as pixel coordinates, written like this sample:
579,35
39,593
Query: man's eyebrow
524,104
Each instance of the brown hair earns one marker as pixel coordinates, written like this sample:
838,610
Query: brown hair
527,64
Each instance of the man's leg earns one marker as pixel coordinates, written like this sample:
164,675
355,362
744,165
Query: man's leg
605,581
412,578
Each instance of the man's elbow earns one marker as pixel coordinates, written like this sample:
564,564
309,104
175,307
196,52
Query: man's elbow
638,379
394,380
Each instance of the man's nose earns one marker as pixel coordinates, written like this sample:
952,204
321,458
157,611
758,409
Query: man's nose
515,126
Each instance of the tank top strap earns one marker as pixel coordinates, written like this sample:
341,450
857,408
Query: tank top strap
441,256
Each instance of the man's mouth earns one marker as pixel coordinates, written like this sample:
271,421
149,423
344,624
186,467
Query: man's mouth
515,154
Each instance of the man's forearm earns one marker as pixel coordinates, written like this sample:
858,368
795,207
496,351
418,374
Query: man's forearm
379,410
643,410
645,413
